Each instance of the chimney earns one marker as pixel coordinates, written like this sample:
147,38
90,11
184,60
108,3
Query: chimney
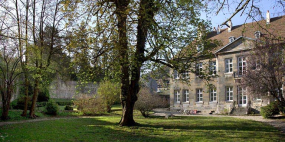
218,29
229,26
267,17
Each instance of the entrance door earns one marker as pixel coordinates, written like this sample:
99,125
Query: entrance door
242,97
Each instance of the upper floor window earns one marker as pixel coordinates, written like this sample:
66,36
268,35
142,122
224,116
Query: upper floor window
212,67
199,69
213,95
175,74
241,65
200,47
229,93
229,65
185,75
199,95
185,95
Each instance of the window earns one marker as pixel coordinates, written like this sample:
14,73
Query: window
242,98
257,34
199,69
186,95
229,93
185,74
213,95
231,39
241,65
200,48
212,67
229,65
175,74
177,95
199,94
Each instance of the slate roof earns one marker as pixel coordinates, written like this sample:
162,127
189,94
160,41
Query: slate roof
276,29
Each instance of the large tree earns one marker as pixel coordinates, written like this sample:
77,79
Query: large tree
140,31
265,69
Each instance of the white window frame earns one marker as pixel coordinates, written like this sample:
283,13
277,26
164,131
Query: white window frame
186,93
175,73
241,65
228,65
199,95
213,67
186,75
199,68
213,95
177,94
229,93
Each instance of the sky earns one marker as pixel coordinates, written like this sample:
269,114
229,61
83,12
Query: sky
274,8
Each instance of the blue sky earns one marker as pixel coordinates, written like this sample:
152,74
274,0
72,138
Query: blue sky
274,8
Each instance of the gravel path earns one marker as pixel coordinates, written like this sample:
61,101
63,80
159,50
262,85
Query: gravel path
277,123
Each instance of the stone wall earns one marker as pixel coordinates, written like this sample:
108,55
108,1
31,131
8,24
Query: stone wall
70,89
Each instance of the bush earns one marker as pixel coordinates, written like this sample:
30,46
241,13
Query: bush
51,108
41,104
147,101
20,102
89,105
68,107
43,95
109,92
269,110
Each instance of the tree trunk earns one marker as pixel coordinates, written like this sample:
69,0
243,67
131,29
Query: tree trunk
6,93
127,114
5,112
34,100
26,97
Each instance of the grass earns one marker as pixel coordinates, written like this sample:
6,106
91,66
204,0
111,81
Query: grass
105,128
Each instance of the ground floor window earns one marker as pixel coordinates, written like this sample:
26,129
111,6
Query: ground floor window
185,95
199,94
213,95
229,93
177,96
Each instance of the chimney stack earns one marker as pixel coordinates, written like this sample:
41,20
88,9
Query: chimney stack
229,26
267,17
218,29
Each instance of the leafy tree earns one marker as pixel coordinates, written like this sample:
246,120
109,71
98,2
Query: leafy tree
139,32
109,92
266,67
147,101
8,74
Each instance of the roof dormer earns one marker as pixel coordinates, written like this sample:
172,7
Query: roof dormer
231,39
257,34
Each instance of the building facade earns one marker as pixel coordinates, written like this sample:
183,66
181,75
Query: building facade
227,68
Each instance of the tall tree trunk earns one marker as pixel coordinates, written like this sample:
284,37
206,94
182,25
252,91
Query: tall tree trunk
126,97
6,93
34,99
26,97
24,64
5,106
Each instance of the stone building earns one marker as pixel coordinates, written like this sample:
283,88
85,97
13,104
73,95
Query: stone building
229,64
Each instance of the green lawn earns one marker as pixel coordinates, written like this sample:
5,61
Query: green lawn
105,128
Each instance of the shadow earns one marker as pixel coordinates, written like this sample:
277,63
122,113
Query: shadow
277,117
